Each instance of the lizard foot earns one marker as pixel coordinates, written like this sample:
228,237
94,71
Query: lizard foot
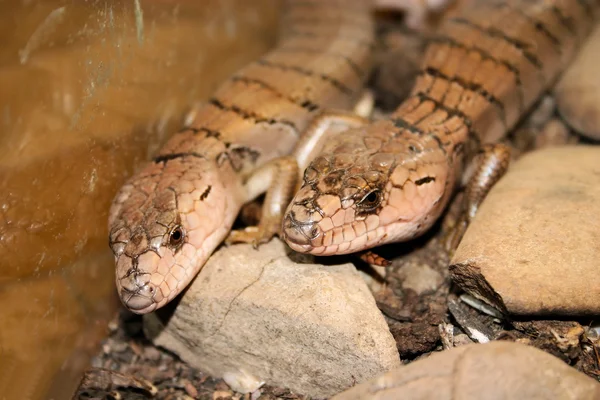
254,235
371,258
451,239
491,164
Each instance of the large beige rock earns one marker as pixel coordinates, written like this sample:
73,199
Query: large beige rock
534,246
491,371
578,91
258,316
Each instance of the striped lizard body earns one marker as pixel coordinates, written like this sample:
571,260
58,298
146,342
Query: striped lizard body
169,218
389,181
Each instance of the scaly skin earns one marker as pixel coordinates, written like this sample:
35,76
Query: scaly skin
390,180
168,219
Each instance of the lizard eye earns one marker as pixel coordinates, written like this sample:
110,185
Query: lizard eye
176,236
371,200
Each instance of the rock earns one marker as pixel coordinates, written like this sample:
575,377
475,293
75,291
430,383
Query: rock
496,370
593,333
534,246
258,316
420,277
578,91
554,133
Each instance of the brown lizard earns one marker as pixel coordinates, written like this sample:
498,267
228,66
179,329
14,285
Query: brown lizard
388,181
168,219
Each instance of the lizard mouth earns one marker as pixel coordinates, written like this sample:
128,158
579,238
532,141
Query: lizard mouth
137,292
301,236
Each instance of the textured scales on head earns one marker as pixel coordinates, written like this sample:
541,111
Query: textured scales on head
156,233
364,190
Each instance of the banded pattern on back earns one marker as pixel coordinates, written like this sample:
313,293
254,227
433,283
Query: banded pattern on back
491,65
169,218
322,61
390,180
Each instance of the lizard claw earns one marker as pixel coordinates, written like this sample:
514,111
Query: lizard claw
254,235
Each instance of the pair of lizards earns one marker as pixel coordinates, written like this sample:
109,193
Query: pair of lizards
354,184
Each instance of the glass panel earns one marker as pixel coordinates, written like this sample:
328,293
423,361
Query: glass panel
88,91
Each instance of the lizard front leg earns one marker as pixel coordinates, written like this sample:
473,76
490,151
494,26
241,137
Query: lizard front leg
280,178
490,165
322,127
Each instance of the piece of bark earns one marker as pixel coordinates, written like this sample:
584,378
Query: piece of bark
470,324
259,316
496,370
534,246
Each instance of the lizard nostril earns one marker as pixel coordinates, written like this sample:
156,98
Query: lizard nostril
314,233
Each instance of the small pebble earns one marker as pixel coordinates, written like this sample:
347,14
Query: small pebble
222,395
190,389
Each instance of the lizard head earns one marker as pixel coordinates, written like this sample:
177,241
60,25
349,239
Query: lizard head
365,190
164,223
